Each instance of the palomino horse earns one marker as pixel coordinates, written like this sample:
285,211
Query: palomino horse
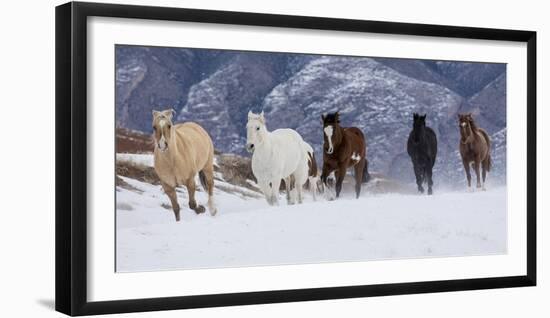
182,151
422,148
343,147
475,148
276,155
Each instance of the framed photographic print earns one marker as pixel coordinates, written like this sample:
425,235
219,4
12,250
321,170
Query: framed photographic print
208,158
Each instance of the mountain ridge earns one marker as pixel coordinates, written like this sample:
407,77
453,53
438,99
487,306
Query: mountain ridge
217,89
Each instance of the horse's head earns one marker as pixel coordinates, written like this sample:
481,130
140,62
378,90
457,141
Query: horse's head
162,128
465,123
419,126
255,130
332,133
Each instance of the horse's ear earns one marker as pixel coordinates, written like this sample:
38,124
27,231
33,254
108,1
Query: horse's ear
415,115
423,117
337,116
169,113
156,113
262,118
250,114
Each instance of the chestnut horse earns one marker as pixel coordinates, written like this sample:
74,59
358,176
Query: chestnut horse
343,148
475,148
182,151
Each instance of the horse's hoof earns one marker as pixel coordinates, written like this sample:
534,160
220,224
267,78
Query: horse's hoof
430,192
213,211
200,209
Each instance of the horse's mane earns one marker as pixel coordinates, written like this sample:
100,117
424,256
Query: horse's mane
473,125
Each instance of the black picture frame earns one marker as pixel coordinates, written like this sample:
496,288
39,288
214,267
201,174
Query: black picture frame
71,157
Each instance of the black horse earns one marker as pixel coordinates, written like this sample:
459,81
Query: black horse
422,148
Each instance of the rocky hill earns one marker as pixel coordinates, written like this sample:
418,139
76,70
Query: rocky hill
217,88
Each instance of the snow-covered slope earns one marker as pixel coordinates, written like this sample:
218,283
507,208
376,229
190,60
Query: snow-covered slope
217,88
369,95
246,231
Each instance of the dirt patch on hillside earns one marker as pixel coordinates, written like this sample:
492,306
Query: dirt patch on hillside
131,141
137,171
236,170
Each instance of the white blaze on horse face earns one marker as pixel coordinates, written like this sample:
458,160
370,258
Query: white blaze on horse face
328,131
162,144
463,124
255,130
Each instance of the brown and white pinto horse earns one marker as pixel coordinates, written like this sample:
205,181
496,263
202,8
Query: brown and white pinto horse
343,148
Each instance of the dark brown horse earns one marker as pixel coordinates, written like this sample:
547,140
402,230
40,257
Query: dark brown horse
343,148
475,148
422,148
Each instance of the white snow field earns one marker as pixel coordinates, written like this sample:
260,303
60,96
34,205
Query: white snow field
248,232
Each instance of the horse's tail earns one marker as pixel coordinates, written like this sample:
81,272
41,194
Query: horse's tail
202,178
488,162
310,157
312,163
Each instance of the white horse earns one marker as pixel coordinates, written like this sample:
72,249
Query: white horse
276,155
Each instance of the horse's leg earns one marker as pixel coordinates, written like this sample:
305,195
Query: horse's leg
287,187
275,185
429,178
340,174
290,199
468,175
266,190
190,184
209,173
299,193
418,173
171,192
313,187
329,194
484,173
359,168
477,165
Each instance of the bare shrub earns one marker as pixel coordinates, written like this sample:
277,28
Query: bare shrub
236,170
137,171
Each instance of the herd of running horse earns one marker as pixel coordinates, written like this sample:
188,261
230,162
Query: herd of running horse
184,150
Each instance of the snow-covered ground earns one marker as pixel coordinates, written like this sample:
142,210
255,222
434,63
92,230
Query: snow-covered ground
247,232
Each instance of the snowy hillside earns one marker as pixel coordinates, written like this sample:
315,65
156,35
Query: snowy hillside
369,95
382,224
217,88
